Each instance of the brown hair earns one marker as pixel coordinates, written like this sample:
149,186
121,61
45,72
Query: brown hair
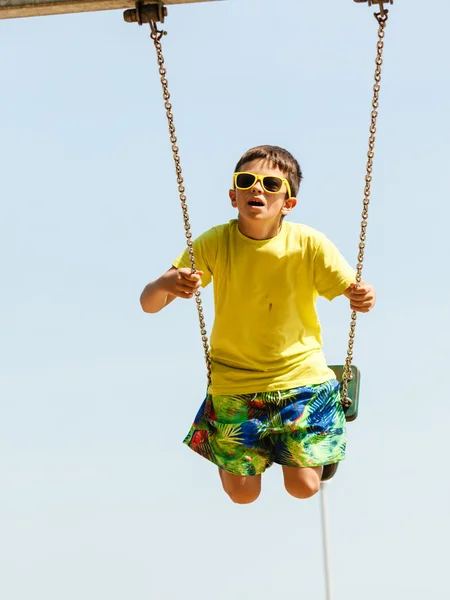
279,158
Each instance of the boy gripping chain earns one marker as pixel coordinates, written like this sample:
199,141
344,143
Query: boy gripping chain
272,397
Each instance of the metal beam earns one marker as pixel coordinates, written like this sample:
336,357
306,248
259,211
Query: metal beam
10,9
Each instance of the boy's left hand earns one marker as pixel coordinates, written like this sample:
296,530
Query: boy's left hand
362,298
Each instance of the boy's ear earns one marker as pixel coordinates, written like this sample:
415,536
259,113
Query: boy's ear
232,194
289,204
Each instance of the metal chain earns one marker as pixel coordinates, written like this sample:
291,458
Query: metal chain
156,36
347,375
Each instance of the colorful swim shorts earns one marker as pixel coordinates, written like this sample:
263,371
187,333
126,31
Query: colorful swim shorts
246,434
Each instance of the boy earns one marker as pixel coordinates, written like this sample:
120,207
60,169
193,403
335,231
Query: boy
272,397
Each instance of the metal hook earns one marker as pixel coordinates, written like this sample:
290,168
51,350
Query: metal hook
156,34
381,3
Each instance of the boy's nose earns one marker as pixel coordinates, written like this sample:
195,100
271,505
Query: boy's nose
257,187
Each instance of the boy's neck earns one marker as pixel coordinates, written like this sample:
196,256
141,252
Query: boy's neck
259,230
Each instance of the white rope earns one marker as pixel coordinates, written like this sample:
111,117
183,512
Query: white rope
326,545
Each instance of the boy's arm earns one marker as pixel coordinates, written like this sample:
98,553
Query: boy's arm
334,277
175,283
362,297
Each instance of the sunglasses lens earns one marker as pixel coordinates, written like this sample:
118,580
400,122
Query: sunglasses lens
245,180
272,184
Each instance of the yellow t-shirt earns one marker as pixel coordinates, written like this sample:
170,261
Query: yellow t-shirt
266,334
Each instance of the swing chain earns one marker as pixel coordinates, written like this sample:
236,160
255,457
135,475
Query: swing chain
382,18
156,35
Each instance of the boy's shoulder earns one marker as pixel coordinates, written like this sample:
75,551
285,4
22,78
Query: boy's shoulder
303,232
214,233
219,231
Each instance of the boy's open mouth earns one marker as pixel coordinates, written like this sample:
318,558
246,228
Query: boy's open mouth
256,203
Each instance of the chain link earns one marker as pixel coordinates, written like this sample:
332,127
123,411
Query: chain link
156,36
347,375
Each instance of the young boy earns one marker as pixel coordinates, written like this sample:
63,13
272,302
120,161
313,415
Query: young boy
272,397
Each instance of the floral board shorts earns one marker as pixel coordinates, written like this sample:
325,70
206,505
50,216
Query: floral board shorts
246,434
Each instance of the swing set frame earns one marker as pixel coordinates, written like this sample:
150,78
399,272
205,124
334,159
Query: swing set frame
10,9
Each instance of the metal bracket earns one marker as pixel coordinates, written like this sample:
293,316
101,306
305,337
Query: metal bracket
380,3
154,12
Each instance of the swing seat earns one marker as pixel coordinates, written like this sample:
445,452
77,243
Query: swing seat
353,390
329,471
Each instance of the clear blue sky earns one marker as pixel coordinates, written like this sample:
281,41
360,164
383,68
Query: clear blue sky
98,497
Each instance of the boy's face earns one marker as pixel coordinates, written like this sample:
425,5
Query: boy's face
255,204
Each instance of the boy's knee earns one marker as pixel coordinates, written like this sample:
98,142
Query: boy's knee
242,490
244,496
303,489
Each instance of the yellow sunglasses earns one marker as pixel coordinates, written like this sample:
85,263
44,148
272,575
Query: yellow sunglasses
271,184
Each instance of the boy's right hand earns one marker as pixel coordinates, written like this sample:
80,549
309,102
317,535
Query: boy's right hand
181,283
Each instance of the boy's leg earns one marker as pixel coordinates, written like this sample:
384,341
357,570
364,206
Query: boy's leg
241,489
302,482
318,437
